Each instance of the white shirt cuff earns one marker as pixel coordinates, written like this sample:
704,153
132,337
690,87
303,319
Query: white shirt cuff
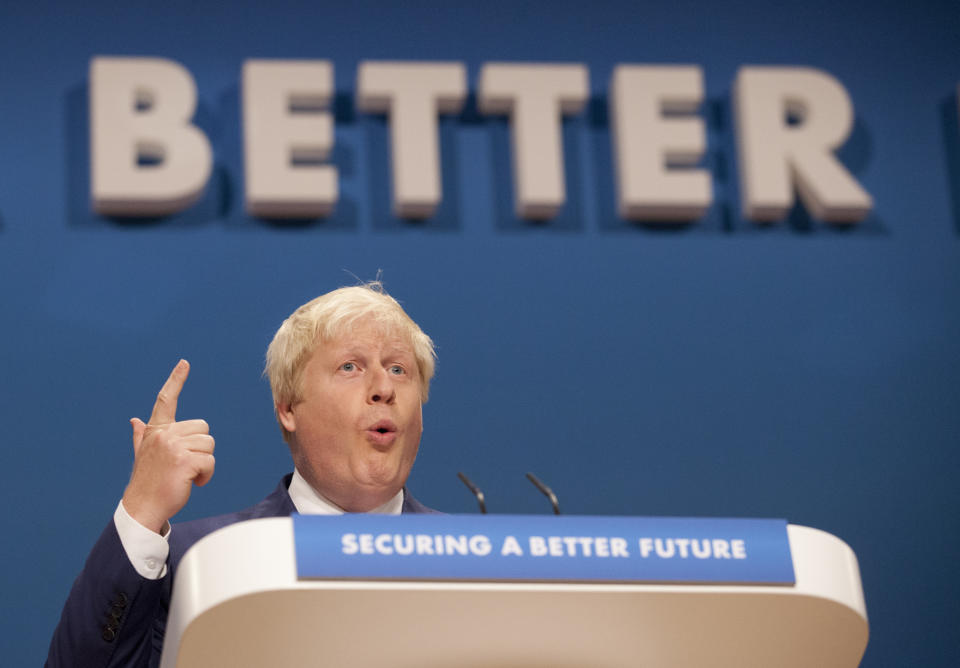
146,550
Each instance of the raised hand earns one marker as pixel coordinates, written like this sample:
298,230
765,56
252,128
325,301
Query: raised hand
169,457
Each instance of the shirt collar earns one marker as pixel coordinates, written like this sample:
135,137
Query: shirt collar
308,501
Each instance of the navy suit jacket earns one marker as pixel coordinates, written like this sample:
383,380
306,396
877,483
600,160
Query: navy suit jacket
115,617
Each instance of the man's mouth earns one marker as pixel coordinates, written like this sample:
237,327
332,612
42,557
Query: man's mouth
382,432
383,427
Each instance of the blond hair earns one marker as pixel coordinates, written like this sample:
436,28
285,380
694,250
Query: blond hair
327,317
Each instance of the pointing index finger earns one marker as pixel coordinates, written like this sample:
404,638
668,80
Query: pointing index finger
165,408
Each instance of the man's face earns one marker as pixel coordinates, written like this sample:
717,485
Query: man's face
357,427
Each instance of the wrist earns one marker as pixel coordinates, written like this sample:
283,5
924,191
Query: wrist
143,515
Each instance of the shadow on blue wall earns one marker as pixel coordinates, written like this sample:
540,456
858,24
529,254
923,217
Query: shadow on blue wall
949,115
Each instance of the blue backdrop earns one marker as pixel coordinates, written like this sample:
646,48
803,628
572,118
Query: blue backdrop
719,369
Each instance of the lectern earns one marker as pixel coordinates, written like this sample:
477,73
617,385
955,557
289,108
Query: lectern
238,602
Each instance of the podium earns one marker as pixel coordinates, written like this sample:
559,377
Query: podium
237,602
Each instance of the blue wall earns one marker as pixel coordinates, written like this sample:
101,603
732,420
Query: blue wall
720,369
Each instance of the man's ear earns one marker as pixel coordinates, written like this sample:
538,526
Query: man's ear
286,417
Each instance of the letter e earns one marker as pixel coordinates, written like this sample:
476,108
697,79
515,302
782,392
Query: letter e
287,132
739,549
646,144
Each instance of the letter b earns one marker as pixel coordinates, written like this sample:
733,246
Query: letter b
146,159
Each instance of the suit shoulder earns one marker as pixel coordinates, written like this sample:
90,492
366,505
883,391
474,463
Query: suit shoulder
411,505
185,534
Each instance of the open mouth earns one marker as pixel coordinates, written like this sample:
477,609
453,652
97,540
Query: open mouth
383,427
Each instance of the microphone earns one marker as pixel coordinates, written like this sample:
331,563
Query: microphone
476,491
547,492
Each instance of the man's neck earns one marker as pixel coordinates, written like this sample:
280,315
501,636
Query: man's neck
309,501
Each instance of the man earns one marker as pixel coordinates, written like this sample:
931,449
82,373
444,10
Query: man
349,372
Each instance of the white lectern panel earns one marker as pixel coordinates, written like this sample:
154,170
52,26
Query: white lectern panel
237,603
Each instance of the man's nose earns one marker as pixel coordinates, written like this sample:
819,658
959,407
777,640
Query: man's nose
381,387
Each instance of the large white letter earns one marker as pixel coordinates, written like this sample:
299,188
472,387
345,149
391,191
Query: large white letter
646,144
789,120
146,159
412,94
286,132
535,97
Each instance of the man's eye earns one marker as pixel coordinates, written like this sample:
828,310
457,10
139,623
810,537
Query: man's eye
397,370
348,366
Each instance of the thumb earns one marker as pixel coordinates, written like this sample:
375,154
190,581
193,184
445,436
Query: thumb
138,428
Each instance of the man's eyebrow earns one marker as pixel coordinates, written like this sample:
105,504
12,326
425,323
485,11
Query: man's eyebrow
347,351
400,350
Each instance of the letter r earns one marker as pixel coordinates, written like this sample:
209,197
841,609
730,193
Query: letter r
776,156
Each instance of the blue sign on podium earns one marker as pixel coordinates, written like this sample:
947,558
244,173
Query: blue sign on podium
525,548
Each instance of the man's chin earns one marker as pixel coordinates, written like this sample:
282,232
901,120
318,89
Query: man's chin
383,469
382,484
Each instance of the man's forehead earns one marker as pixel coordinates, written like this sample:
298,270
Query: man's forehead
371,334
